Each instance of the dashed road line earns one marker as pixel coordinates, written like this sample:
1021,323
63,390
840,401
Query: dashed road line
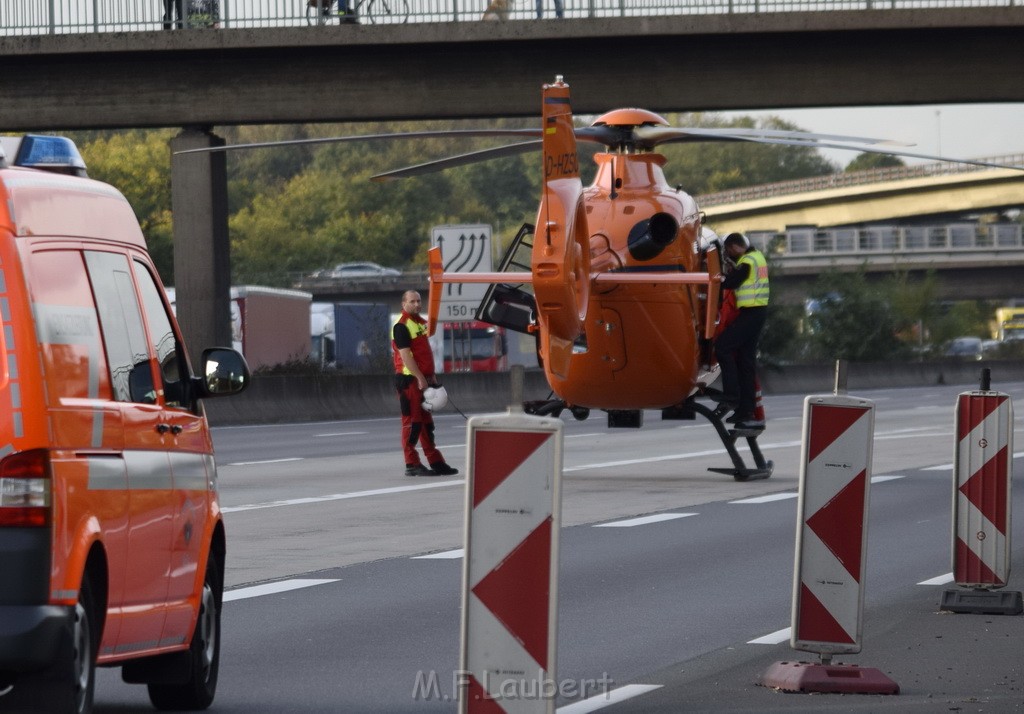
938,580
644,520
774,638
769,498
282,586
267,461
600,701
339,496
443,555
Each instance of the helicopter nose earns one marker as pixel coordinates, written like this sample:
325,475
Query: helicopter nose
651,236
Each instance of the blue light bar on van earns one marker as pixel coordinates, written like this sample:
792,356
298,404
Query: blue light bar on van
50,153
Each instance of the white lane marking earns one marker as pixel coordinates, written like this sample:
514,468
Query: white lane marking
339,496
644,520
600,701
949,467
789,494
342,433
580,436
273,588
768,499
444,555
939,580
775,638
890,437
268,461
669,457
883,479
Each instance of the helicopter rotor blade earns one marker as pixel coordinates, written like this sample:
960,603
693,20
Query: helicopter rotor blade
651,136
438,134
876,150
472,157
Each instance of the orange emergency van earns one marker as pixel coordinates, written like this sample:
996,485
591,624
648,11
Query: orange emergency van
111,538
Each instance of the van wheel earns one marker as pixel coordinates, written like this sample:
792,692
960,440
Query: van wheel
204,653
67,688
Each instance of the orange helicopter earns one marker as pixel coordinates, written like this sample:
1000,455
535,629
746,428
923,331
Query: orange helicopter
622,286
619,281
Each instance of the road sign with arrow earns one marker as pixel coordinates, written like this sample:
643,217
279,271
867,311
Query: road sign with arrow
464,249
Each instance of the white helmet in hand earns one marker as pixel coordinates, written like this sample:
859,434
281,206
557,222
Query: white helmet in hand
435,398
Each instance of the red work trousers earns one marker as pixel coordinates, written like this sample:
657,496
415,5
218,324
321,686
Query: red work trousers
417,423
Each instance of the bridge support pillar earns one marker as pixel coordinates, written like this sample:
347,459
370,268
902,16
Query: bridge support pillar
202,253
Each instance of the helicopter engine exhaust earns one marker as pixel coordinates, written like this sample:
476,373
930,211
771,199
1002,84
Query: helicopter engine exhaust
651,236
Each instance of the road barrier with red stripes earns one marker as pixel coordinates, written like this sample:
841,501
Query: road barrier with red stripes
510,569
982,470
831,546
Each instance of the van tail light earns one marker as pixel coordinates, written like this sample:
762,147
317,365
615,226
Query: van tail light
25,490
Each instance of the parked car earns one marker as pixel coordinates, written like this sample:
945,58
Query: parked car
362,270
965,348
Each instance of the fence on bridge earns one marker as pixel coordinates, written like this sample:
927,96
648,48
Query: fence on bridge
953,240
41,17
847,179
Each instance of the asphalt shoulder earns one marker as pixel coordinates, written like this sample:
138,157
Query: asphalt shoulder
941,661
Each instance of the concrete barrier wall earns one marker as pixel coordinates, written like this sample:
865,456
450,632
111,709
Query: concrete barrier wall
288,398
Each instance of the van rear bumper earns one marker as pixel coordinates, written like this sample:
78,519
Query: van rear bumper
30,635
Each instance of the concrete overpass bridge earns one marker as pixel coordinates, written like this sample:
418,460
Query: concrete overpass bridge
908,219
80,71
889,195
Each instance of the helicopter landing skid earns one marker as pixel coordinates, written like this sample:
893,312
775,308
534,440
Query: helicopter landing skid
544,407
739,471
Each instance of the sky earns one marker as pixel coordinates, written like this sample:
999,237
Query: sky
953,130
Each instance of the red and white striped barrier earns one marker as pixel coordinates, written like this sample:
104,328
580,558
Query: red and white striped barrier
831,545
510,570
835,471
981,495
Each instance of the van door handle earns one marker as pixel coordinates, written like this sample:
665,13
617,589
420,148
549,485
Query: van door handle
163,428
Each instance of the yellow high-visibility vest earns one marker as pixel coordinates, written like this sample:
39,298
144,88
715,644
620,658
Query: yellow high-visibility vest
754,290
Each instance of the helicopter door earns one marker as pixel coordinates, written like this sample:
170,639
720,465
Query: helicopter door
512,306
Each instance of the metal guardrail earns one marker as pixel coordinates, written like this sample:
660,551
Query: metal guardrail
852,178
47,17
888,240
877,241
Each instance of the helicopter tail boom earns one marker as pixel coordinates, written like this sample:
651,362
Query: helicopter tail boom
438,278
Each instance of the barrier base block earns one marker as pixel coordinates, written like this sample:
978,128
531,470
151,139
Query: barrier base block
827,678
982,602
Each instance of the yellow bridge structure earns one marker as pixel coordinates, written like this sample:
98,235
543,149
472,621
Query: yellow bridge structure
950,219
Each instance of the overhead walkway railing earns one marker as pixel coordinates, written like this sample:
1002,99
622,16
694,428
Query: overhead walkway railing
42,17
953,240
851,179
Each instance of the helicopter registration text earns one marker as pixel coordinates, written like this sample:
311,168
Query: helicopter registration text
566,164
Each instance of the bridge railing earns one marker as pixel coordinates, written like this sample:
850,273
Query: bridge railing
851,178
889,240
39,17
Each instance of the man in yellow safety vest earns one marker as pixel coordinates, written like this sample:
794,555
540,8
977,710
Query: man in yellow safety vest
414,372
736,347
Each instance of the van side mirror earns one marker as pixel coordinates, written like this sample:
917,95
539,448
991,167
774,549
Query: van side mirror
225,372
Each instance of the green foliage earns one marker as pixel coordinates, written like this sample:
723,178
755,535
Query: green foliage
863,162
780,339
138,163
851,320
700,168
